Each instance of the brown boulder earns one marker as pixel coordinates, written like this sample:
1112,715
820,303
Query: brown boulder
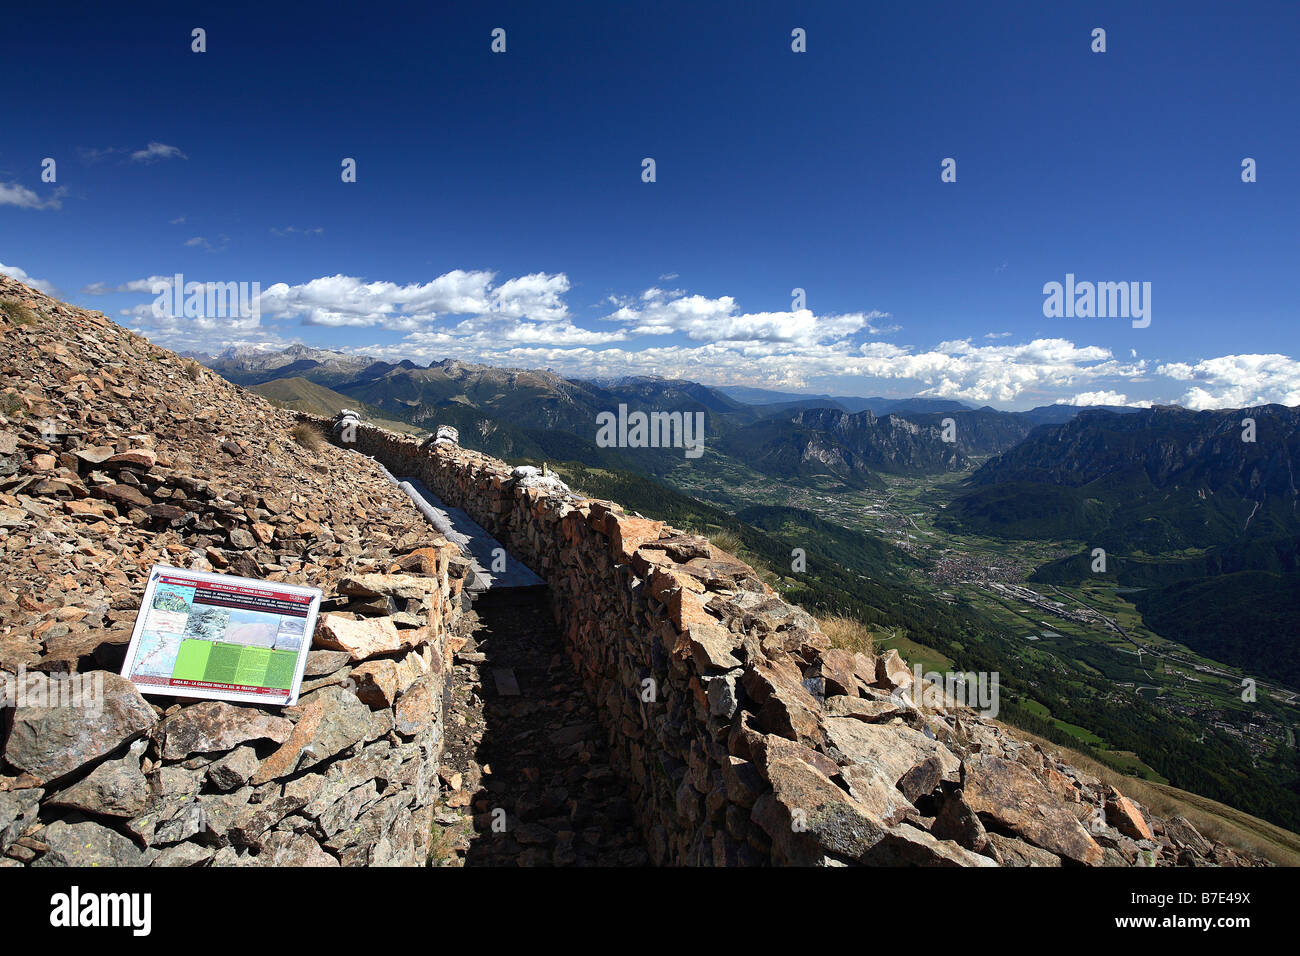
360,638
681,547
711,646
329,721
116,788
627,533
1123,814
1019,853
956,821
808,817
905,845
785,705
405,586
52,741
686,609
377,682
214,725
877,794
662,580
1183,834
139,458
839,669
870,710
123,495
420,561
890,750
418,706
892,672
1006,793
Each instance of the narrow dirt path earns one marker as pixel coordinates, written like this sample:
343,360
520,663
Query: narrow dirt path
525,762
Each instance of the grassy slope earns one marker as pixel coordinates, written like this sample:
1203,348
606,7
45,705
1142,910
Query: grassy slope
302,395
1247,619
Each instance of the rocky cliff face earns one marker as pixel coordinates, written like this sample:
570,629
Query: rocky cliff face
746,738
890,443
1168,446
1157,480
116,455
854,447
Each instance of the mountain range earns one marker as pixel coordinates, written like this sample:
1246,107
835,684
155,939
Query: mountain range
1148,480
863,436
1157,480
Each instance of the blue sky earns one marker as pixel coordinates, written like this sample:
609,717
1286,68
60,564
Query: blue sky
499,212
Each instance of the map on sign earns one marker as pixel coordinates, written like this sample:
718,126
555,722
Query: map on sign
220,636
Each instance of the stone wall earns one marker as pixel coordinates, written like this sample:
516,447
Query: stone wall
115,456
746,737
347,776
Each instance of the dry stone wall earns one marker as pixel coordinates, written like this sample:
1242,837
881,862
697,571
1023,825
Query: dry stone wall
116,455
746,737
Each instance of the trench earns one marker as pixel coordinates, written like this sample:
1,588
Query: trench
526,770
536,785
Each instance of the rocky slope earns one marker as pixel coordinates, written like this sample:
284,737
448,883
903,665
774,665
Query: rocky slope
1171,446
116,455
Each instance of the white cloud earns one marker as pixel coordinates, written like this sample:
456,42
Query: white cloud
40,285
525,310
93,154
155,152
16,194
1101,398
485,335
341,300
660,312
135,285
203,242
992,373
525,322
1237,381
951,369
143,317
202,333
536,296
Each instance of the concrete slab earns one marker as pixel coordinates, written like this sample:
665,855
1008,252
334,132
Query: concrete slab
507,685
492,567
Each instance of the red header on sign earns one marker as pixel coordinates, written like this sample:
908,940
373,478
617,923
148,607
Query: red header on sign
236,589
